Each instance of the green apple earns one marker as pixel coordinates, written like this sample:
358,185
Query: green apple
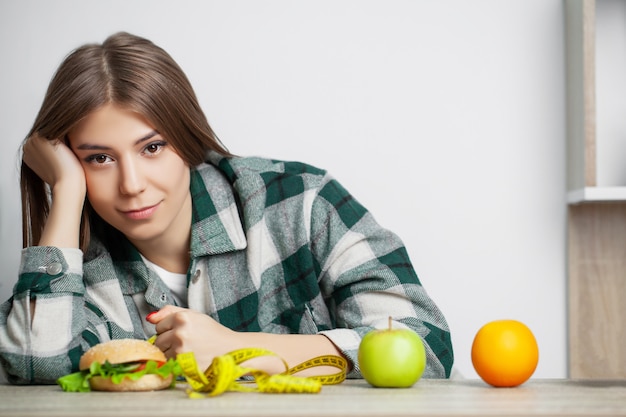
392,358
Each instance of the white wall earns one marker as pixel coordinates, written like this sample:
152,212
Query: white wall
445,118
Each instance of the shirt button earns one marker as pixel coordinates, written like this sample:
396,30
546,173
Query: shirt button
54,268
163,297
196,276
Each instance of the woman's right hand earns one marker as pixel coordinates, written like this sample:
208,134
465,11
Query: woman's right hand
54,162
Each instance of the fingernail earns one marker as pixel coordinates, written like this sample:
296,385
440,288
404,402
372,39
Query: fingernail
150,315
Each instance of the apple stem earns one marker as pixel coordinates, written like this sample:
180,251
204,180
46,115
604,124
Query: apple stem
389,322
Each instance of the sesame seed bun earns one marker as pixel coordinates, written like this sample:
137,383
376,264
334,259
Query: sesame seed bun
122,351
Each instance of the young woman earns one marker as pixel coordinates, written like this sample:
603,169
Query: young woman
137,221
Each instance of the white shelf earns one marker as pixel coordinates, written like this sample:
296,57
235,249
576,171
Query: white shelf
596,194
596,184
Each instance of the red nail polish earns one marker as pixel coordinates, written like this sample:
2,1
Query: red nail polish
150,315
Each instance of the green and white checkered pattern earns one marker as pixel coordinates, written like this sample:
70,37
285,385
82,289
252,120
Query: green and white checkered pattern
277,247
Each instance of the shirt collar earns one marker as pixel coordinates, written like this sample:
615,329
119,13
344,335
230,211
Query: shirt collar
216,224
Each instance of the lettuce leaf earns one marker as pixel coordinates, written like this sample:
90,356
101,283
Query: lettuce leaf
76,382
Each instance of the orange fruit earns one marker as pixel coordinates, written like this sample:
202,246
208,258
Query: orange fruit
505,353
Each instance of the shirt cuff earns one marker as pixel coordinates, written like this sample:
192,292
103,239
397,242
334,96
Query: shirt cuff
50,269
347,341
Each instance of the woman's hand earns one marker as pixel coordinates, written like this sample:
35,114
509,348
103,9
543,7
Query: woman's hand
54,162
182,330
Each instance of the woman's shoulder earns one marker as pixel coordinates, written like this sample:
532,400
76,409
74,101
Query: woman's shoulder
253,167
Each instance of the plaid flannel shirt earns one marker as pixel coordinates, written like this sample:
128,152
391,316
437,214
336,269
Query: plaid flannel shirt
278,247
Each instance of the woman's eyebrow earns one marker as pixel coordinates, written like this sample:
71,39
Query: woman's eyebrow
146,137
92,147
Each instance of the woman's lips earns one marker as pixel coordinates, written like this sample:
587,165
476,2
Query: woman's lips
142,213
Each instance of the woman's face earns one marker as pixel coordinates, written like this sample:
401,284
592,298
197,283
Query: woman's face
135,180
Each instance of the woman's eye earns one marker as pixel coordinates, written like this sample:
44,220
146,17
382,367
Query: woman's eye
98,159
154,147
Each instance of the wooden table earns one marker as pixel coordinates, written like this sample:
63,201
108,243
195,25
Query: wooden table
352,398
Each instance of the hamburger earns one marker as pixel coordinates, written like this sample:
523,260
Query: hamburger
122,365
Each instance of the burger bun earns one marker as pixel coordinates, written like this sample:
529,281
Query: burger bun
150,382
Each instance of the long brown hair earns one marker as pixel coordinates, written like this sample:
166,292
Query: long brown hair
131,72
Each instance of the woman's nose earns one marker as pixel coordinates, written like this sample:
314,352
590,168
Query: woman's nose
131,179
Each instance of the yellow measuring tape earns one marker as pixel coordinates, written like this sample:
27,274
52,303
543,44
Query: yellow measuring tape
225,374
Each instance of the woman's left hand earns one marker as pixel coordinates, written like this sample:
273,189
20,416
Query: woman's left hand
182,330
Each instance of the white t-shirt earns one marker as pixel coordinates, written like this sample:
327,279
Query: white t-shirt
177,283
